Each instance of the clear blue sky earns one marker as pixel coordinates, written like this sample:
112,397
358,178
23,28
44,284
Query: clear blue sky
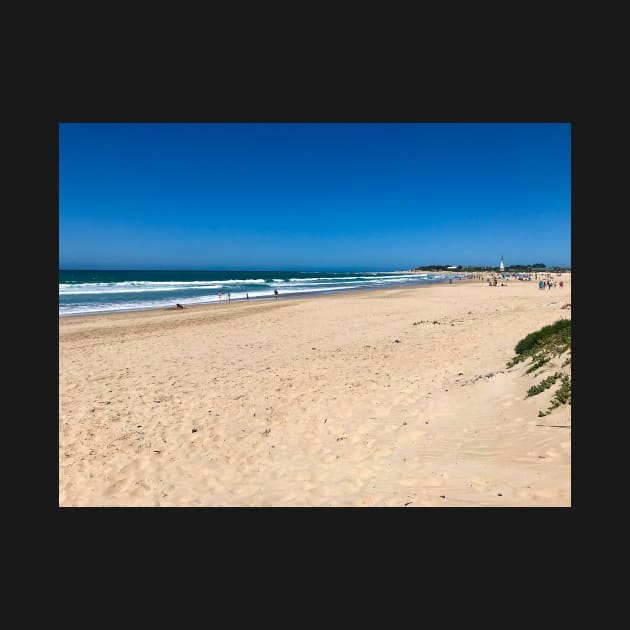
312,196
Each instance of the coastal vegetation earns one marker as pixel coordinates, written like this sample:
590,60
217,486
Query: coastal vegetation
538,364
546,383
541,346
562,396
546,343
533,268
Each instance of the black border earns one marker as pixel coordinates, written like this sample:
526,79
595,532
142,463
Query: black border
253,96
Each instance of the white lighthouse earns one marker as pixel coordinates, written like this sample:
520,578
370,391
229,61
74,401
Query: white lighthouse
501,265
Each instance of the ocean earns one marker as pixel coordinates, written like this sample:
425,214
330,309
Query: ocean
84,292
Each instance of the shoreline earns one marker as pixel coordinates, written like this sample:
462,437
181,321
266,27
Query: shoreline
460,276
287,295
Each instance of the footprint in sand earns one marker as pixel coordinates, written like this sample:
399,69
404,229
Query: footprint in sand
115,487
414,435
433,482
381,452
408,483
552,453
478,483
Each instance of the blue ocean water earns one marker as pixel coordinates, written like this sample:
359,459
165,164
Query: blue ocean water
82,292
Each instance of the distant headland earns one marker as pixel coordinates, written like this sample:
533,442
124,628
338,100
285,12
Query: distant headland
534,268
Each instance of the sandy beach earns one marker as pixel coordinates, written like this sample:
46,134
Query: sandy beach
397,397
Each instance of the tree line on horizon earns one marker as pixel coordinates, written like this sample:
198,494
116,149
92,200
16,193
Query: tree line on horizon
509,268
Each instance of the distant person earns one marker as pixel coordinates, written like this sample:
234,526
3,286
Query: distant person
229,297
247,296
450,280
275,292
219,294
561,284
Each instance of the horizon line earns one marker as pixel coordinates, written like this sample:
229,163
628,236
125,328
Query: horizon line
283,269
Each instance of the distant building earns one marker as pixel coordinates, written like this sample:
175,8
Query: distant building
501,265
452,267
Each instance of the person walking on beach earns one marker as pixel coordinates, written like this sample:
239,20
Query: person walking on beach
247,296
275,292
219,294
561,284
229,298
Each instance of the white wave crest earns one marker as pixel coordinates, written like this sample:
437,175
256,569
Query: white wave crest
300,285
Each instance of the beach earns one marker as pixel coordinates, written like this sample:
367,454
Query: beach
394,397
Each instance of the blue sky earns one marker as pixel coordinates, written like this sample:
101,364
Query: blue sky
312,196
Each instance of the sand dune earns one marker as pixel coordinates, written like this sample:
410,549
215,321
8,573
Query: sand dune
380,398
